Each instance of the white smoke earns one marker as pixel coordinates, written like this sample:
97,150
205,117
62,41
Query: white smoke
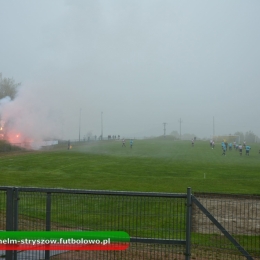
29,118
5,100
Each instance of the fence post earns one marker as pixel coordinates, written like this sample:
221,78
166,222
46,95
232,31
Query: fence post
9,217
188,225
48,220
15,214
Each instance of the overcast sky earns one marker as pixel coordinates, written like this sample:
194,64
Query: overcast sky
140,62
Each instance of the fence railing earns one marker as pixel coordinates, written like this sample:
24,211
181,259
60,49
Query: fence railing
160,225
238,215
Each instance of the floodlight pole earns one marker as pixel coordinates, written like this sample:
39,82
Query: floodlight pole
213,127
79,122
180,127
101,125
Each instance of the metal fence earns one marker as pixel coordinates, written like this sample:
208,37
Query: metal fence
160,225
235,215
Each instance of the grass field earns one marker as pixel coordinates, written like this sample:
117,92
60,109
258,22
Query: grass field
157,165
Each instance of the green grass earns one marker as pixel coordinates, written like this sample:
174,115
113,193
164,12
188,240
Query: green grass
158,165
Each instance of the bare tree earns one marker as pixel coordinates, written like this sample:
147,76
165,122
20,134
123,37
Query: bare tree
8,87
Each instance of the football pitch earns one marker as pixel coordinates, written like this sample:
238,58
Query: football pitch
152,165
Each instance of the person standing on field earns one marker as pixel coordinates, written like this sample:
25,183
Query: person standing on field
123,142
248,148
131,143
224,148
240,147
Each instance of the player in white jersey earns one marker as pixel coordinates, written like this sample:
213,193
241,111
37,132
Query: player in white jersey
240,147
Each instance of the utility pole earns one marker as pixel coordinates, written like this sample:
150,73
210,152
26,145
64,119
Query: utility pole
101,125
213,127
164,129
79,122
180,127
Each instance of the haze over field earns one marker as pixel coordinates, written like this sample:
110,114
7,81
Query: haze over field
141,63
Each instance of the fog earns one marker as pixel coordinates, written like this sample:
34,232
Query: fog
138,63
